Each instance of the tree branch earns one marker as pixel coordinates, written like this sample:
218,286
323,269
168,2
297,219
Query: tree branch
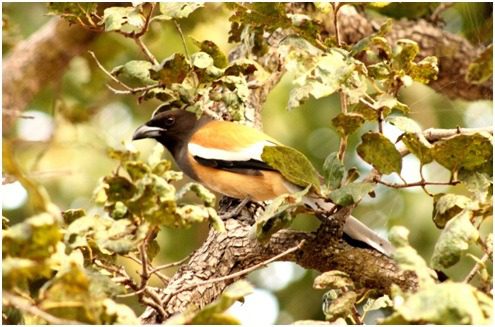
227,254
37,61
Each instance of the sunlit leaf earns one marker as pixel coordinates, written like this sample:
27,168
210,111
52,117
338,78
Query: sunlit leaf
175,10
455,239
333,279
446,206
446,303
137,71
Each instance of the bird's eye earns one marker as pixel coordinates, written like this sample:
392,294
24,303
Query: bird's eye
169,121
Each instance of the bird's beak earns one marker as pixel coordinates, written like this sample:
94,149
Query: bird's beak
144,131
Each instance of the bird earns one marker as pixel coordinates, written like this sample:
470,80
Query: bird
227,158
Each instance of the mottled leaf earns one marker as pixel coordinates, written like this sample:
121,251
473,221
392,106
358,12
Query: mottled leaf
446,303
413,138
350,193
455,239
173,69
378,151
347,123
127,19
278,214
137,71
34,238
292,164
333,171
446,206
481,69
425,70
467,151
340,306
219,58
333,279
175,10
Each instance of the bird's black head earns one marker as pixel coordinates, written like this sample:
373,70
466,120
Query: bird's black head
171,128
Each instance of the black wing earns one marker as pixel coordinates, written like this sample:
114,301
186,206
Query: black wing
248,167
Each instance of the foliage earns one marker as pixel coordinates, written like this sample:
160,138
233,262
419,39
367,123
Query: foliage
68,263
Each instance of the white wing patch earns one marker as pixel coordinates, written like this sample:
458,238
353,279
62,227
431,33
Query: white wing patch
252,152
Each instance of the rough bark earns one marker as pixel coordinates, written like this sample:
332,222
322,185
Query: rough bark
38,61
223,254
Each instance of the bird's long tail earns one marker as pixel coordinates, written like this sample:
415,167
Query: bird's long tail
354,228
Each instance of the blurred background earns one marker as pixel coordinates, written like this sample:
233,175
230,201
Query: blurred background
62,139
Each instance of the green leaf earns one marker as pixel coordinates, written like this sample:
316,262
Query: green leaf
481,69
333,171
378,151
35,238
447,303
414,139
278,214
292,164
333,279
176,10
455,239
137,71
446,206
347,123
219,58
468,151
173,69
377,304
350,193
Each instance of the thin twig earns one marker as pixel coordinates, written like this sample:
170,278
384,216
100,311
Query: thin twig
415,184
18,302
146,51
146,22
476,267
113,78
179,29
170,265
234,275
343,98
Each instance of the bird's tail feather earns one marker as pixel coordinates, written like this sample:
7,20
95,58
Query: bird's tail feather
354,228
